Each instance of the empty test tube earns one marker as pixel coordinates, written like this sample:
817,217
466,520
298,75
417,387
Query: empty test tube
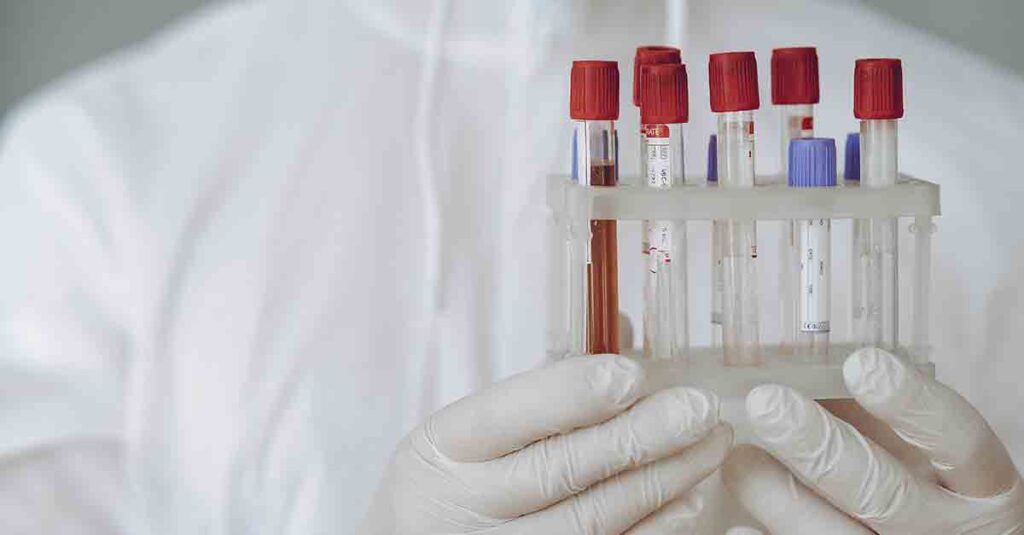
878,103
734,97
594,106
812,164
648,55
860,231
716,251
664,108
795,91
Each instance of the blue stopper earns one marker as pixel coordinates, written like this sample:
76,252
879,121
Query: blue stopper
713,158
812,162
851,167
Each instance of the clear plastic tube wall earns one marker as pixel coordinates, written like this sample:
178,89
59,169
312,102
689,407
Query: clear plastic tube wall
796,121
738,243
665,281
878,103
877,320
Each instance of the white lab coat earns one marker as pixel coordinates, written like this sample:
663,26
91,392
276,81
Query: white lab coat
245,257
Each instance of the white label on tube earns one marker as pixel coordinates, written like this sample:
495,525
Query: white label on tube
814,275
658,162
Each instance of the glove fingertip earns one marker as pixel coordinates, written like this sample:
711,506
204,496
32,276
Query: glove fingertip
876,377
618,379
697,408
783,419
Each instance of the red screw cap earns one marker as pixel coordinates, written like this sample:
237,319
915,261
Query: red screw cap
663,98
878,89
594,91
651,55
733,79
795,75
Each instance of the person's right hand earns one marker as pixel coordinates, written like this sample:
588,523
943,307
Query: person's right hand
566,449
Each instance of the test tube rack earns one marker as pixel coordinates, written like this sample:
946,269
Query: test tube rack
915,202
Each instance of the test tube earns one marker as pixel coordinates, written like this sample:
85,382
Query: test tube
812,164
594,106
648,55
664,108
878,103
716,251
859,251
734,97
795,92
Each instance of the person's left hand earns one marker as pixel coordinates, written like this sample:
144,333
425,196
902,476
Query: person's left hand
923,461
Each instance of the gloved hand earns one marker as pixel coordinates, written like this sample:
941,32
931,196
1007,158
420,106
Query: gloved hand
564,449
849,483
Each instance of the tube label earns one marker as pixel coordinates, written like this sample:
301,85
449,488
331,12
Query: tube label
658,162
815,242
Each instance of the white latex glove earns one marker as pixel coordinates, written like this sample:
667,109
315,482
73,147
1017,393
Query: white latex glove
564,449
848,483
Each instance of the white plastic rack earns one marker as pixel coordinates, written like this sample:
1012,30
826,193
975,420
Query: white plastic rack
572,206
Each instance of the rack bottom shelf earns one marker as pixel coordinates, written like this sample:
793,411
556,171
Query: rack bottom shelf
821,379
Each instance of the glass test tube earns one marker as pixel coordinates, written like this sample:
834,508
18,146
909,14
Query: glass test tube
812,164
734,96
716,251
859,233
795,91
797,122
878,102
878,240
648,55
738,243
664,109
594,105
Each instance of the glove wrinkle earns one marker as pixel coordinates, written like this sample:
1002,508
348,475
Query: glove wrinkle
570,481
883,492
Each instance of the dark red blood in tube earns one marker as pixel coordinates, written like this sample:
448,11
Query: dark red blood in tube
603,274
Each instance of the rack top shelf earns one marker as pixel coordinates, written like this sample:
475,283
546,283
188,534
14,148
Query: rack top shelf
910,197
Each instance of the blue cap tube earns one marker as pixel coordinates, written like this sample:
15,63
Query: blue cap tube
812,162
851,165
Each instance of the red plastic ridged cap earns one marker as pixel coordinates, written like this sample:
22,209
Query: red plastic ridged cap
594,91
733,80
651,55
878,89
663,98
795,75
